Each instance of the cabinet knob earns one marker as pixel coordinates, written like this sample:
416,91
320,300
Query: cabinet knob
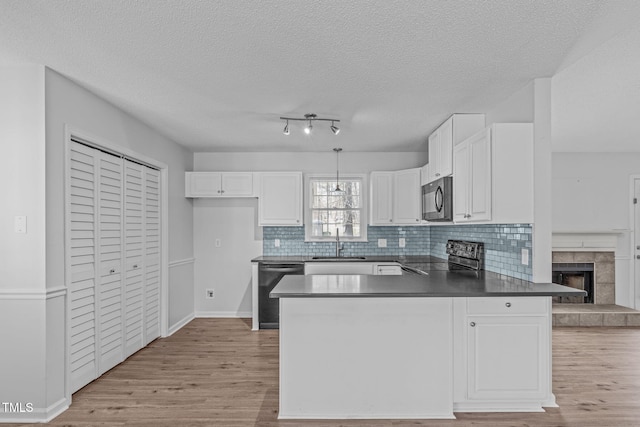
218,191
135,265
508,304
390,220
473,324
222,191
113,270
417,220
437,174
297,220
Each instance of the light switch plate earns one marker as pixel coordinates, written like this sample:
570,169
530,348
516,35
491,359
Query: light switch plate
382,243
525,256
402,242
20,224
276,243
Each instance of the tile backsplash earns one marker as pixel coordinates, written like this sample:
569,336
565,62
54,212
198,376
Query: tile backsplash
503,243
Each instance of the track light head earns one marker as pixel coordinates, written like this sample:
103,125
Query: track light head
309,128
286,129
334,129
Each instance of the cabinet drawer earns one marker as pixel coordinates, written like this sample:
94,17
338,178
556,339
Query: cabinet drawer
507,305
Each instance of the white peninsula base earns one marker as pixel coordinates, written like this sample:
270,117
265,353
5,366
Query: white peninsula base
366,358
418,357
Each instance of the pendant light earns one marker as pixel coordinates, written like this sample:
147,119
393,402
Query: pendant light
286,129
337,189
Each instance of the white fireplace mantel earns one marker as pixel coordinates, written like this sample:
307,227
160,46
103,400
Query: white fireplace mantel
586,240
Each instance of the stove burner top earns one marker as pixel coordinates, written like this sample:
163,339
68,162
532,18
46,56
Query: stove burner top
465,255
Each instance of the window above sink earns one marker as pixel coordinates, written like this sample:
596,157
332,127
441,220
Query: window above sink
329,212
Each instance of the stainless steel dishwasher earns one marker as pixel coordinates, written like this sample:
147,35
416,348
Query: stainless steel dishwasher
269,274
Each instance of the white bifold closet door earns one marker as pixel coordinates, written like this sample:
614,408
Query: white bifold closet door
113,262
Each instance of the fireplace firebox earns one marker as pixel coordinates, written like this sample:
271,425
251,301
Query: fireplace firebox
575,275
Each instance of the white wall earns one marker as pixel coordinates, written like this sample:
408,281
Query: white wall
227,268
591,194
68,103
23,305
22,177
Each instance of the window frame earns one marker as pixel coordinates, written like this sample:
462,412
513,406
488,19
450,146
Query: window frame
364,211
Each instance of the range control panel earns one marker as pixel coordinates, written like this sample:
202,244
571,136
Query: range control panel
464,249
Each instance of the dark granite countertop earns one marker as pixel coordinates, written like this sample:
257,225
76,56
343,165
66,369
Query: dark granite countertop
437,283
409,260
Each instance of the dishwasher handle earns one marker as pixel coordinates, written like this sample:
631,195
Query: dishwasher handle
282,269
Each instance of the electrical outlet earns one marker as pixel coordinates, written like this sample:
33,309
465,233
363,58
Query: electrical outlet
209,293
525,256
382,243
276,243
402,242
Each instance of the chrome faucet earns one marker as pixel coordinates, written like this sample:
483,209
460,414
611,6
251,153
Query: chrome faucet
339,246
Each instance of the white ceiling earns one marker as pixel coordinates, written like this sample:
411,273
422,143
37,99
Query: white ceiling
217,75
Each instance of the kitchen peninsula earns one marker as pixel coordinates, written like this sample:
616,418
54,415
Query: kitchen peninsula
413,346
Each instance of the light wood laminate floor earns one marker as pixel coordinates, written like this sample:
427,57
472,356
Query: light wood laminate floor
216,372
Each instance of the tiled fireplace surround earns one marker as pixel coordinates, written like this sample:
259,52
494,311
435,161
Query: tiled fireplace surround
604,271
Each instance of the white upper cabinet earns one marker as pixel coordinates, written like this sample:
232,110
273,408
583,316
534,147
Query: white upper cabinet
472,179
395,197
381,198
280,198
407,203
493,175
219,184
454,130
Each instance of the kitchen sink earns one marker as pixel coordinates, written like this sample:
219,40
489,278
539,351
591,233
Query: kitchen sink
341,258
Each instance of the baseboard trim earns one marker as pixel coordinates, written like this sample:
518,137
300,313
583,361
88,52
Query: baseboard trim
180,324
224,314
39,415
180,262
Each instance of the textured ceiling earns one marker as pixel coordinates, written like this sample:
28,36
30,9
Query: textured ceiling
216,75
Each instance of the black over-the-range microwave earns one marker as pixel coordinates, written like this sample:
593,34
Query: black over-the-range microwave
437,200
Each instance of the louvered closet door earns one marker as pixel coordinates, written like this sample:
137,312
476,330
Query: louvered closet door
134,252
82,265
152,254
110,254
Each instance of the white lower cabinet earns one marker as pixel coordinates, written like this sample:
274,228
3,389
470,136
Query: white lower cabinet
503,359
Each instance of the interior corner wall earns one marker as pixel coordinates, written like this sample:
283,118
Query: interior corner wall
518,108
226,268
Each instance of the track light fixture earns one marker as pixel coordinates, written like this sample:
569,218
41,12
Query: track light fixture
310,118
334,128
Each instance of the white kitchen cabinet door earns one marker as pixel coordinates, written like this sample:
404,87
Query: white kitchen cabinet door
219,184
381,198
472,179
236,184
152,259
280,199
461,189
480,177
454,130
407,202
507,358
434,155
